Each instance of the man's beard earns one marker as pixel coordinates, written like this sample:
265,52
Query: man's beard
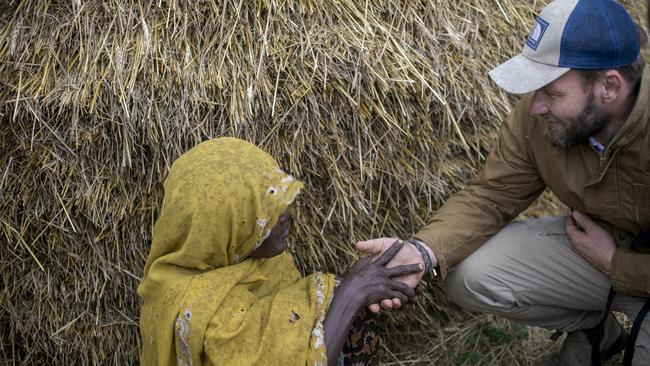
590,122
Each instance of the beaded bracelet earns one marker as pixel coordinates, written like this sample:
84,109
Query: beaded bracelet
428,264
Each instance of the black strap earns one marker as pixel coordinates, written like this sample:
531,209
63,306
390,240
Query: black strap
641,241
595,344
638,321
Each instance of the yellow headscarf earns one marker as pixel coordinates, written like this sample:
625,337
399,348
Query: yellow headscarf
204,301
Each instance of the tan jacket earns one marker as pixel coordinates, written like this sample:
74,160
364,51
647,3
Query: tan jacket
613,189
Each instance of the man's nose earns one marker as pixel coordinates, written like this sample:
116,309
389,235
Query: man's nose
538,105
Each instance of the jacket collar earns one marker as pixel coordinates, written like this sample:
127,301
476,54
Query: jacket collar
638,118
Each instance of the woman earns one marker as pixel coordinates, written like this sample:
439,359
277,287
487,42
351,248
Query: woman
219,288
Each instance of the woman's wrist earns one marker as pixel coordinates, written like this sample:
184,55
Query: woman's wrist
347,295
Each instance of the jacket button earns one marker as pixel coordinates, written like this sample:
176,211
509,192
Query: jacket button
621,236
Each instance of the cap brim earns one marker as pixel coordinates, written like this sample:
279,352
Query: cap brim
520,75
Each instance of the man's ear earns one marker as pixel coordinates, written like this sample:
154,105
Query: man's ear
614,84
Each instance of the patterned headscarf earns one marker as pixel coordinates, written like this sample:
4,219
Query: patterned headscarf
204,300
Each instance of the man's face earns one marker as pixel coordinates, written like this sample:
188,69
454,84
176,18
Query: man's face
571,110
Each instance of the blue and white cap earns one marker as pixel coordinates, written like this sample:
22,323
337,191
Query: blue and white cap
570,34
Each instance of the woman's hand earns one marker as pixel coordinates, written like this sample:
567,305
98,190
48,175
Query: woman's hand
368,282
409,254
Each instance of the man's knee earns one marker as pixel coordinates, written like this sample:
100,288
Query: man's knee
474,285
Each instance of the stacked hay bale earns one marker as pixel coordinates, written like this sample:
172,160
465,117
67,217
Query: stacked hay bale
382,108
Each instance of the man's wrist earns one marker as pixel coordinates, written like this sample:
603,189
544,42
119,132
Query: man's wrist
430,262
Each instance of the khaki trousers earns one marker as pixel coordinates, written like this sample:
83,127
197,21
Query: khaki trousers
528,273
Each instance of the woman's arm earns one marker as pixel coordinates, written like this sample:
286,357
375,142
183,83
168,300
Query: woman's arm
365,283
338,321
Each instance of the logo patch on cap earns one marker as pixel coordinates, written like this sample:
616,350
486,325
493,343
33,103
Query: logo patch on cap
536,33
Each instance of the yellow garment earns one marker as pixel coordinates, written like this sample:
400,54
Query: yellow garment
204,301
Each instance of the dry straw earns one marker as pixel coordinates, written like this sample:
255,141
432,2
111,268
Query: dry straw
382,108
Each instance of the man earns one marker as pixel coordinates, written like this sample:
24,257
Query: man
582,130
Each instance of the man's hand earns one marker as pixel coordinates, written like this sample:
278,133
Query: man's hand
591,241
407,255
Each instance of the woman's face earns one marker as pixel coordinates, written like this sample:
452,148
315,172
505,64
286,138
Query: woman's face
274,244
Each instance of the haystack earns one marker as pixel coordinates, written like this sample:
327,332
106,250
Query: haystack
382,108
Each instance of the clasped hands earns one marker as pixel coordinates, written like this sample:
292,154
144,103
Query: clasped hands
588,240
408,254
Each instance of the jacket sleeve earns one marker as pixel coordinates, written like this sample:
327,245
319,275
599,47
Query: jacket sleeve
631,273
508,184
